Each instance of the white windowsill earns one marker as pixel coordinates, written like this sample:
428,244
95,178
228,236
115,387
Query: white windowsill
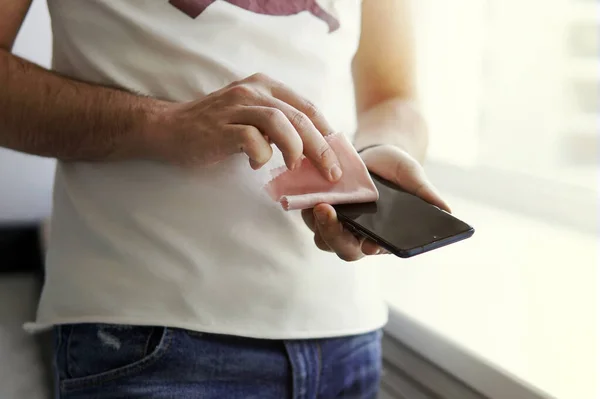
519,299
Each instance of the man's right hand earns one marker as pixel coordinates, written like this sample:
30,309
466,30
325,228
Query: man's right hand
50,115
245,116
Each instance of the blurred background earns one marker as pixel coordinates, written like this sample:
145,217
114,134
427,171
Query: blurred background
511,92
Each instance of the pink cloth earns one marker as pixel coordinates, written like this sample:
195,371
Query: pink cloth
305,187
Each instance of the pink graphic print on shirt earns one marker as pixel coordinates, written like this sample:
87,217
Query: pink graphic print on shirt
193,8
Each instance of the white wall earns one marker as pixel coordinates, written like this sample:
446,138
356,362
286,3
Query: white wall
26,181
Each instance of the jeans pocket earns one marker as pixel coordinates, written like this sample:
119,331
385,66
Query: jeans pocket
91,354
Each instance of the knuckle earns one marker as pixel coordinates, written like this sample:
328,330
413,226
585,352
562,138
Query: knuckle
311,110
409,167
265,80
274,115
325,153
260,77
300,120
251,142
247,136
241,91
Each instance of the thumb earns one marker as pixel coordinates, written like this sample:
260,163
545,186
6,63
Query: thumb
397,166
414,180
427,191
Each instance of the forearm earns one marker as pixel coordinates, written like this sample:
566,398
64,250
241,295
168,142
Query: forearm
385,79
45,114
396,121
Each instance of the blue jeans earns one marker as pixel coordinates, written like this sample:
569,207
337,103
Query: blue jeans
104,361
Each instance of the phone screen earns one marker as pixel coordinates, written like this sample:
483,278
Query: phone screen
401,222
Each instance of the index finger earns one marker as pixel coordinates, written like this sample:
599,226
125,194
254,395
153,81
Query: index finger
315,147
309,122
303,105
289,96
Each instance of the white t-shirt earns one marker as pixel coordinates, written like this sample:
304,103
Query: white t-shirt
144,243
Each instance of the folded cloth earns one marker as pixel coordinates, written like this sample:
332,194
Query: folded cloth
305,187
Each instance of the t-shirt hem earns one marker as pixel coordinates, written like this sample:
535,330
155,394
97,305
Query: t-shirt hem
41,326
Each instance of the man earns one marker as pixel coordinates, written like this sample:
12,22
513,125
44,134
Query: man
170,273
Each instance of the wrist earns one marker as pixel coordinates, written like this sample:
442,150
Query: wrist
396,122
156,117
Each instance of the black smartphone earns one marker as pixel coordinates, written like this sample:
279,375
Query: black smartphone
401,222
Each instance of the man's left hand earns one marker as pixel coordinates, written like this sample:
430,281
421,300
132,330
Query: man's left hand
390,163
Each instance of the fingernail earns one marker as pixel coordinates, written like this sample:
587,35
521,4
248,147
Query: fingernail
321,217
335,172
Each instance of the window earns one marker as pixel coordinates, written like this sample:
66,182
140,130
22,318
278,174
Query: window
510,89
